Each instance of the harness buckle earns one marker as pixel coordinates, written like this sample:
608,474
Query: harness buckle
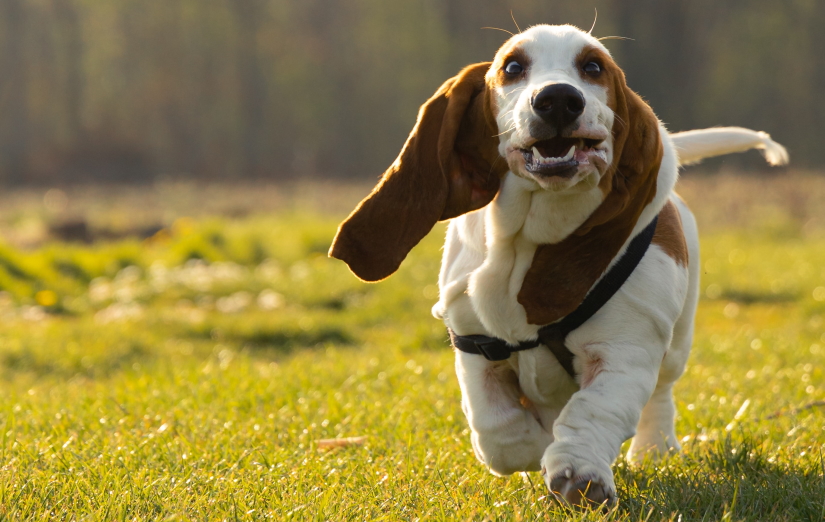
493,349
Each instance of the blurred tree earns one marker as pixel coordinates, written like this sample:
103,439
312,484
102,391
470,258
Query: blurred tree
94,89
252,88
68,32
14,136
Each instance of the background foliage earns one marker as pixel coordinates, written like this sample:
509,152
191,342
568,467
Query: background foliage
127,90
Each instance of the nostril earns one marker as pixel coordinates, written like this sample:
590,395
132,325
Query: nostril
542,103
575,104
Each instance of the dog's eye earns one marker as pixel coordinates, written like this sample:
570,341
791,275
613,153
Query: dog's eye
514,68
592,68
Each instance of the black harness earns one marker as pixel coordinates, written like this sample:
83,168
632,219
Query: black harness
553,335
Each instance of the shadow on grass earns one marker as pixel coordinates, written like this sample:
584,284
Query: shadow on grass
736,481
33,361
280,340
336,304
748,298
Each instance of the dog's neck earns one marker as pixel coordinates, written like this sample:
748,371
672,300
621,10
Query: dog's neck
538,216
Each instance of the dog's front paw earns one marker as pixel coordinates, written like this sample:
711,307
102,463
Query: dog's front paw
577,481
581,491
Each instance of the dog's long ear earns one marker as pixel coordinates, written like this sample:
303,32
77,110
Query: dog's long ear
562,273
637,152
449,166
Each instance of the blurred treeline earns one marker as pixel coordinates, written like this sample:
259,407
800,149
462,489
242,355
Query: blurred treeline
112,90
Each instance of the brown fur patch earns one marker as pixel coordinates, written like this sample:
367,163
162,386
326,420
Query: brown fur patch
593,366
497,374
669,235
563,273
605,78
525,402
501,384
528,405
498,77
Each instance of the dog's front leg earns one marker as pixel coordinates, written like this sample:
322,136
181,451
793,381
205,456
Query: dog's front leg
505,434
617,380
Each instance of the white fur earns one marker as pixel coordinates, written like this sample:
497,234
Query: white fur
630,353
696,145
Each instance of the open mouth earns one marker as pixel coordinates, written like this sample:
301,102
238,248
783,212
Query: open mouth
558,156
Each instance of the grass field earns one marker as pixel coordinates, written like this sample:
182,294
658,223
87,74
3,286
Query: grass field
190,374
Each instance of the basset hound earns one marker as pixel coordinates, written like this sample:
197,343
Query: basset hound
548,166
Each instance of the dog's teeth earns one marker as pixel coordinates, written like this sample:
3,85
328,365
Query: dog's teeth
568,473
538,159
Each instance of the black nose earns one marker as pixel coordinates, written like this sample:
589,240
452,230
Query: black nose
559,104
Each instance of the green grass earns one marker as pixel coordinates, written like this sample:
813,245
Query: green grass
190,376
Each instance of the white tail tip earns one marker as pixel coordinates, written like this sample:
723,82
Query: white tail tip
775,154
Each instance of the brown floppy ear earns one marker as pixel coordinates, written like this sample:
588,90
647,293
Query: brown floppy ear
563,273
637,153
449,166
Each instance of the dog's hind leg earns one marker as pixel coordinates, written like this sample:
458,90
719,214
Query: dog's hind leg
506,435
655,433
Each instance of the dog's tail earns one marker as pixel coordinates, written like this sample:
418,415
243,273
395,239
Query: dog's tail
695,145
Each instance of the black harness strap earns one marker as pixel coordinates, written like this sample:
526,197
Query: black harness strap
492,348
554,335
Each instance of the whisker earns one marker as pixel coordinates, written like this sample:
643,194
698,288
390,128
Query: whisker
511,111
514,20
511,129
508,114
494,165
594,21
499,29
516,90
615,38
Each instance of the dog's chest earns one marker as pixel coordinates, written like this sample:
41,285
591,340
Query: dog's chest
489,252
